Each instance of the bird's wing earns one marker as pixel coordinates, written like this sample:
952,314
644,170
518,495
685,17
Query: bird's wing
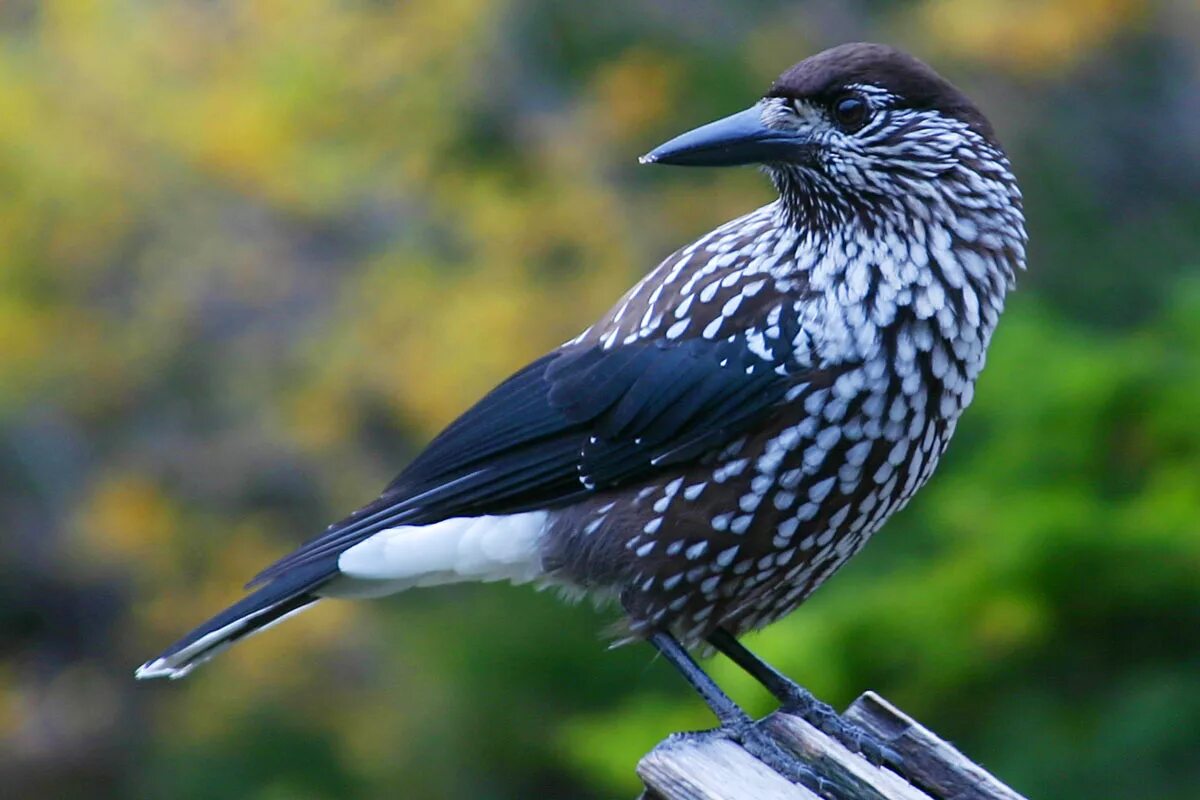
579,420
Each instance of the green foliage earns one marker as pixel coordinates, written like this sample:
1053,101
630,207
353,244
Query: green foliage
1038,602
254,254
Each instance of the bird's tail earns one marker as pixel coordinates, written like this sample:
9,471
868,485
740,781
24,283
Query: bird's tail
287,595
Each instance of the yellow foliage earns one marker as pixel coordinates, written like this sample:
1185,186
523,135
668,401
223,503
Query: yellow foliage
126,520
634,93
1024,36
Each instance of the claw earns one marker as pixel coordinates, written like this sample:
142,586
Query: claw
824,718
758,742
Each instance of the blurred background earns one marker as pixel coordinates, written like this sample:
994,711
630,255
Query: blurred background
254,254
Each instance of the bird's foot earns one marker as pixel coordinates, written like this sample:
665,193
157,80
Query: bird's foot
824,718
756,740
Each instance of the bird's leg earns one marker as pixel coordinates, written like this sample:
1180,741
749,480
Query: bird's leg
736,724
795,699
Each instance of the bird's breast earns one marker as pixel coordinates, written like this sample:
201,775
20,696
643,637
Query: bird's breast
881,341
753,529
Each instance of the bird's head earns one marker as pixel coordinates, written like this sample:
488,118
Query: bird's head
864,131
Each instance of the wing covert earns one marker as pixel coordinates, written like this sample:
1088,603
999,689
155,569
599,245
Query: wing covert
577,421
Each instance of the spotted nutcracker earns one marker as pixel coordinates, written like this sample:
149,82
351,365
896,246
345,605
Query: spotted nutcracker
737,426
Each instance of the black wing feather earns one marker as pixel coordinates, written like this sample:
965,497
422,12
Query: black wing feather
579,420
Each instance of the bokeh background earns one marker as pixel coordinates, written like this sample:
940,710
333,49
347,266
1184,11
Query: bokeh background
254,253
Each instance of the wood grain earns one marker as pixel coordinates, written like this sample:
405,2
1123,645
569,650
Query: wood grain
710,768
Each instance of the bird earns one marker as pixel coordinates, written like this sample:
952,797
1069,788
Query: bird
741,421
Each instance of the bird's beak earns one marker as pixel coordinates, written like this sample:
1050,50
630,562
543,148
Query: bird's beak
741,138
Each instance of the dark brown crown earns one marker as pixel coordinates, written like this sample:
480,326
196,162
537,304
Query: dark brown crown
821,77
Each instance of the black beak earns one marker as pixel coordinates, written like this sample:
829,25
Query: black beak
741,138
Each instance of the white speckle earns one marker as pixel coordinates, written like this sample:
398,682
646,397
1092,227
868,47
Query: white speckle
749,502
813,457
807,511
696,550
789,438
731,306
682,309
795,392
645,549
770,462
839,517
788,527
849,384
815,402
756,343
729,470
857,454
653,525
740,524
835,409
677,329
939,363
693,491
708,587
820,491
873,405
848,476
791,478
726,556
829,437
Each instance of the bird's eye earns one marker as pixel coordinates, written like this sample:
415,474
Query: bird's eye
850,112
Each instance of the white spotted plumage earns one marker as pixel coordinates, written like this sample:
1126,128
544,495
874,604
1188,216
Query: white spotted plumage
897,309
832,339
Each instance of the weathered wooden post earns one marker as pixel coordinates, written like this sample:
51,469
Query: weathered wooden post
721,770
